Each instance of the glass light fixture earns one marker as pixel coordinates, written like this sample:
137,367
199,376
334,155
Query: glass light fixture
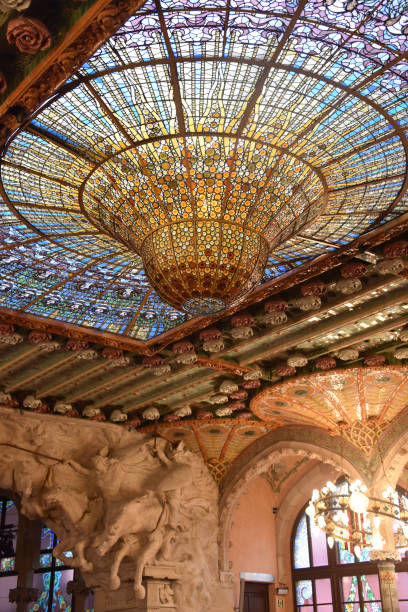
204,212
347,513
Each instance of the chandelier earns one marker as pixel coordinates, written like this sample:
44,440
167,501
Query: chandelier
203,212
346,513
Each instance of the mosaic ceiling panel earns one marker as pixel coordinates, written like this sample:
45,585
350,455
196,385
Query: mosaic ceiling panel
322,83
337,400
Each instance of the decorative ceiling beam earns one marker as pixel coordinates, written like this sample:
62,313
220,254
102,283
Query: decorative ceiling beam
25,381
295,319
361,336
108,382
151,398
72,379
280,344
15,358
73,331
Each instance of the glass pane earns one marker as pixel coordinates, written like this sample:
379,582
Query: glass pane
371,587
304,592
323,591
402,584
7,583
47,539
403,606
301,546
350,589
319,546
345,556
45,560
326,608
42,583
8,532
61,600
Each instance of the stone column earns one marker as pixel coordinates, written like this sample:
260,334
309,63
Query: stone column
386,571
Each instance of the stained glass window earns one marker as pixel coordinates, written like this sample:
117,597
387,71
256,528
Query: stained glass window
8,539
51,578
330,579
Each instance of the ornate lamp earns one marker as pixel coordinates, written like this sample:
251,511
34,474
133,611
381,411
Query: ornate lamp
203,212
346,513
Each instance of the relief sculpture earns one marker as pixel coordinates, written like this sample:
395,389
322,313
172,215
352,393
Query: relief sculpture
129,497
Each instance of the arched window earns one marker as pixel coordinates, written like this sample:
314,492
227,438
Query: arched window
329,579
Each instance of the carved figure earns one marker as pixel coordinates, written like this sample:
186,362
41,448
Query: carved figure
62,407
119,494
227,387
91,412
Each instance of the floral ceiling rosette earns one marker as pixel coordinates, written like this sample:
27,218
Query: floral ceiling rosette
204,148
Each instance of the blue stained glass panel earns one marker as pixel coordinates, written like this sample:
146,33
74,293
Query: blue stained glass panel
301,548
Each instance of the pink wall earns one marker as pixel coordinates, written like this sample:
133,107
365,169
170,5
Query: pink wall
252,536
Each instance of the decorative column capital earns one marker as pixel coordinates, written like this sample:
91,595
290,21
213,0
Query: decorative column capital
23,595
385,555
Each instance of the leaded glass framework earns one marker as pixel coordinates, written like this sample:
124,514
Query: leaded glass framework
322,84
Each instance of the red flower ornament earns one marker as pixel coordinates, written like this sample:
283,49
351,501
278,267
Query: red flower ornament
28,35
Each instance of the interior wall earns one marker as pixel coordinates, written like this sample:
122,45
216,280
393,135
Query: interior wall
252,535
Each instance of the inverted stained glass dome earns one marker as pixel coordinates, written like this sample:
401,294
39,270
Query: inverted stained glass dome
205,148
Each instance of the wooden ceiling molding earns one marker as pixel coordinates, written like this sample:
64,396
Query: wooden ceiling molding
99,22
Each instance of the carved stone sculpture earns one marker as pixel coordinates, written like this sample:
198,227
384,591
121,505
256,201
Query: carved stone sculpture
151,414
227,387
114,494
348,286
307,303
184,411
118,416
390,266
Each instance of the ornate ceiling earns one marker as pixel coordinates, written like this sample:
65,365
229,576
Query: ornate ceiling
323,340
266,81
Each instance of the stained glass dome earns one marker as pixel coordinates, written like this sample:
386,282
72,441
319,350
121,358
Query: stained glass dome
300,105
